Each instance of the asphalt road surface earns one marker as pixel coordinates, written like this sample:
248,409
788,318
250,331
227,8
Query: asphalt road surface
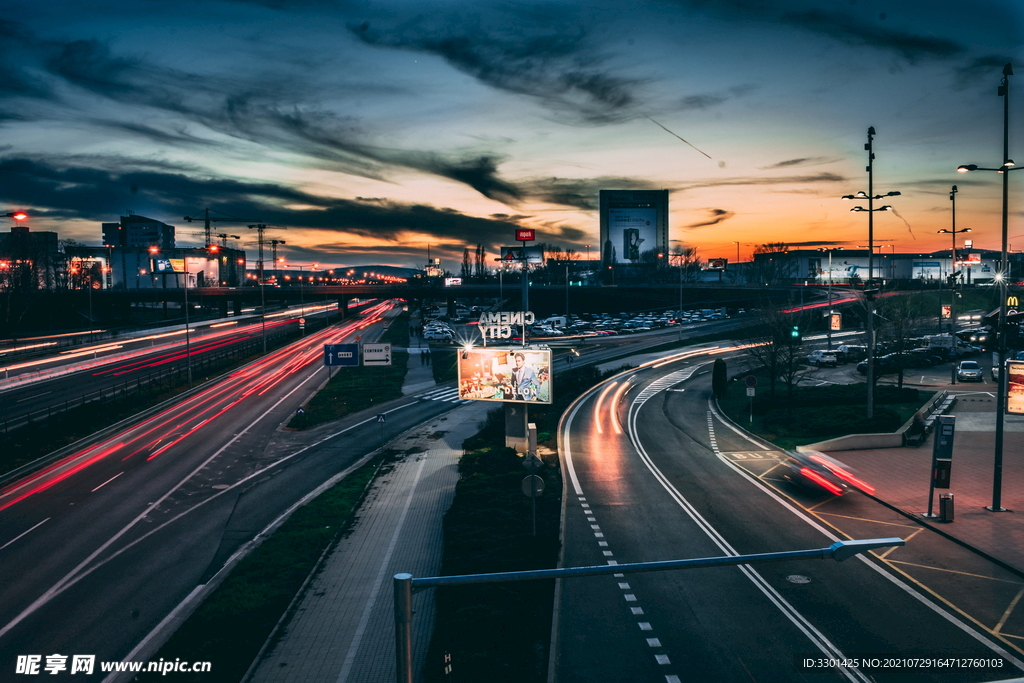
654,474
98,548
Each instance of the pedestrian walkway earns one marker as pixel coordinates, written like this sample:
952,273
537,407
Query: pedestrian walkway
343,628
419,375
901,478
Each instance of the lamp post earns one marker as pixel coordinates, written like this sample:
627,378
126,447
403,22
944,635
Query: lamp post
953,232
869,292
829,325
1001,278
188,348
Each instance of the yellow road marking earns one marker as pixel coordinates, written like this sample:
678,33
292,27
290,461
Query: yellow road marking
873,521
905,540
953,571
1006,614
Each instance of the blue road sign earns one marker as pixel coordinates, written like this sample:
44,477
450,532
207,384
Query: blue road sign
380,418
341,354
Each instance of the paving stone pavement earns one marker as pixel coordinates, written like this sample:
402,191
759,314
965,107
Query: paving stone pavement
343,627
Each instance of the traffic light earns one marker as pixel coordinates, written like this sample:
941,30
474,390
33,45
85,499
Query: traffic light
794,335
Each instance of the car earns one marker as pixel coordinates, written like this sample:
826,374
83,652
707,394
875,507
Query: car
851,353
927,355
883,365
821,357
815,471
969,371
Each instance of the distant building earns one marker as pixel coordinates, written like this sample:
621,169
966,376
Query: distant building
29,260
138,232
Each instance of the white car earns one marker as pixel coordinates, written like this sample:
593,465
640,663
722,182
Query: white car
822,357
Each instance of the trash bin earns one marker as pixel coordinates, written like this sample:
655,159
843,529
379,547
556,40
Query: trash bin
945,507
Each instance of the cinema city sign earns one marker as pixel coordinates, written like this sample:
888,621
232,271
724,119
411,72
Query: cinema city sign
499,325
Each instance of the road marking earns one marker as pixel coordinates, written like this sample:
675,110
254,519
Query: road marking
25,532
772,493
653,642
953,571
44,393
1013,603
106,482
644,625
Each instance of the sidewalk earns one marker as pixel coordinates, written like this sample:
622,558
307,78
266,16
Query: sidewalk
343,628
419,376
901,477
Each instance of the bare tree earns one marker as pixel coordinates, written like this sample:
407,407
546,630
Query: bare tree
772,264
898,319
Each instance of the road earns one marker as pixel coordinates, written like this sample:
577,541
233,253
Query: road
655,474
98,548
51,383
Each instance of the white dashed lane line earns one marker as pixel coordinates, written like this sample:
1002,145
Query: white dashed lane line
630,597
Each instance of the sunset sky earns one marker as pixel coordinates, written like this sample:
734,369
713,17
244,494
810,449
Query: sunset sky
370,130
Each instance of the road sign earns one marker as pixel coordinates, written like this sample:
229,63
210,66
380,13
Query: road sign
376,354
341,354
533,486
750,391
532,463
750,381
381,418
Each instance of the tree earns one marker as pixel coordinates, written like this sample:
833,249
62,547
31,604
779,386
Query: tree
772,264
770,346
899,318
467,268
719,378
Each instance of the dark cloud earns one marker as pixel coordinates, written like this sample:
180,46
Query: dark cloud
855,31
988,66
78,192
782,180
580,193
716,217
558,68
802,161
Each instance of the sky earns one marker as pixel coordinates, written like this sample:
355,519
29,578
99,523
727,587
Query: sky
368,131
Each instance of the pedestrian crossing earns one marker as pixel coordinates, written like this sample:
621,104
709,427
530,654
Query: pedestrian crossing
665,382
447,394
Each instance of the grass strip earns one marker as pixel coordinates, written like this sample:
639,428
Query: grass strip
357,388
231,625
500,633
818,413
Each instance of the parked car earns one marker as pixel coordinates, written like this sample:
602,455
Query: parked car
818,472
821,357
969,371
848,353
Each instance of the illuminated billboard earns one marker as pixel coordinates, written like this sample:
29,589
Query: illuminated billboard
1015,387
509,375
515,254
633,222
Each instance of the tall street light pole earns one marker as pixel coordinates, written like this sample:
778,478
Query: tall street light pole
828,326
952,277
1001,278
869,291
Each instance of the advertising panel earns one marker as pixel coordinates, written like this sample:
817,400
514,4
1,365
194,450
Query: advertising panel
1015,387
718,264
515,255
526,234
635,229
509,375
452,281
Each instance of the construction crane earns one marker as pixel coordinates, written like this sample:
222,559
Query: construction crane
207,232
260,229
273,252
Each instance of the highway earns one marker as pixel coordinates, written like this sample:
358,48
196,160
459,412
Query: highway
653,473
53,381
98,548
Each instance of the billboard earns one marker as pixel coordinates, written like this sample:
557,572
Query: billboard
509,375
515,254
718,264
926,270
1015,387
633,222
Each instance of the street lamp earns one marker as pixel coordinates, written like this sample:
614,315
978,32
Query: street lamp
868,292
1005,168
953,232
829,325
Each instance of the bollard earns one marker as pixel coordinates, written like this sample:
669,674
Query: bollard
945,507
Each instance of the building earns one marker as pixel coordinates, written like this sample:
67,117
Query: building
846,266
138,232
29,260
